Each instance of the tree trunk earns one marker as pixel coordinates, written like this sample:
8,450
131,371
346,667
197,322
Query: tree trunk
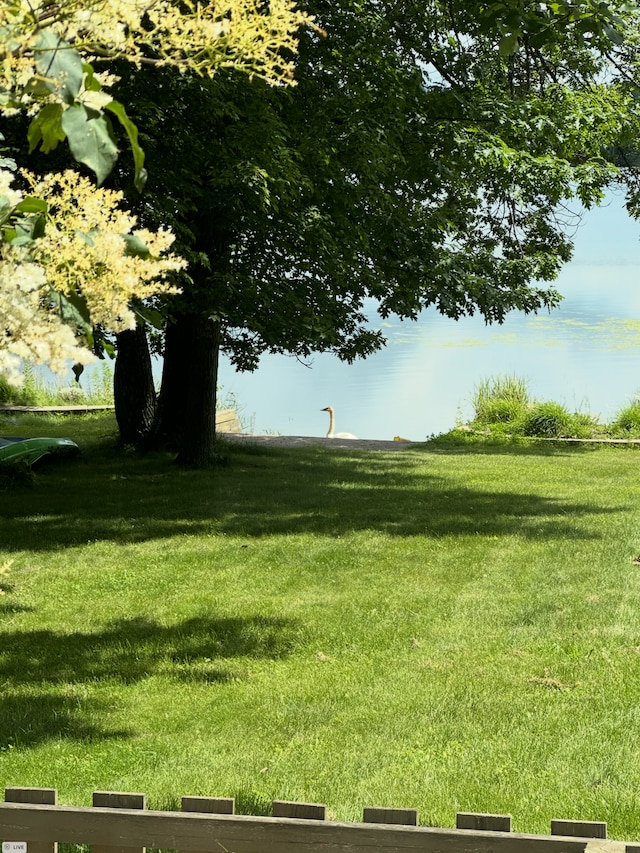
187,406
176,370
197,447
133,389
187,409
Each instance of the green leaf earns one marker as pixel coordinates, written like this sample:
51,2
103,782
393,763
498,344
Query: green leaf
6,211
38,226
87,239
150,315
91,140
132,132
46,128
60,64
73,310
90,82
38,89
135,247
613,34
26,229
31,204
508,44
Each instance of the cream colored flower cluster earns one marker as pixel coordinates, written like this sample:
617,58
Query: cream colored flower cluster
90,249
30,330
84,249
202,36
247,34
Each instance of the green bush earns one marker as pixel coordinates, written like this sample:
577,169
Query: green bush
501,412
12,394
501,400
584,425
6,391
628,418
547,420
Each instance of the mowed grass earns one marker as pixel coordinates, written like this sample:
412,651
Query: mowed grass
447,628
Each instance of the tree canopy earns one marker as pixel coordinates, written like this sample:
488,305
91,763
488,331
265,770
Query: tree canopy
429,155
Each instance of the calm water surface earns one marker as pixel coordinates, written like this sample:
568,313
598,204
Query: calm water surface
586,355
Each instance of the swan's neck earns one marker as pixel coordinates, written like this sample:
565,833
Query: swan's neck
332,423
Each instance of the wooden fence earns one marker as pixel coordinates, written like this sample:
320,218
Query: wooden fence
31,821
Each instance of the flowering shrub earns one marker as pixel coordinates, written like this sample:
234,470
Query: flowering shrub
189,35
84,269
71,257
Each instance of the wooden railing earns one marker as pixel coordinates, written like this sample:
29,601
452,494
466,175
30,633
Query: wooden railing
31,821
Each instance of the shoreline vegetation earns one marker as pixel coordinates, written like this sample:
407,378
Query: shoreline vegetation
93,389
505,410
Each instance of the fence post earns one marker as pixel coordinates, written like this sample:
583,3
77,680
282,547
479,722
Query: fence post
114,800
579,828
208,805
40,797
483,822
404,817
307,811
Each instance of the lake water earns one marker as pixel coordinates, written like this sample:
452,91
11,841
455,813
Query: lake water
586,354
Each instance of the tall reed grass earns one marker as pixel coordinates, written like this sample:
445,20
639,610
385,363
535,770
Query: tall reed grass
500,399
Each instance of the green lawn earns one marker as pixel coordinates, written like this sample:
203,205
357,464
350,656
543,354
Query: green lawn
450,628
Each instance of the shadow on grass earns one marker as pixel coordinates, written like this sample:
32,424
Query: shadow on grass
460,441
133,649
10,609
39,669
27,719
275,491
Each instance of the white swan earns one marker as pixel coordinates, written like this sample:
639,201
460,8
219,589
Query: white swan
332,423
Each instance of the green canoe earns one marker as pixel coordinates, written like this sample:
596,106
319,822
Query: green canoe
30,450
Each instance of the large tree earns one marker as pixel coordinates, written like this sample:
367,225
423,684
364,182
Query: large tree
427,156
